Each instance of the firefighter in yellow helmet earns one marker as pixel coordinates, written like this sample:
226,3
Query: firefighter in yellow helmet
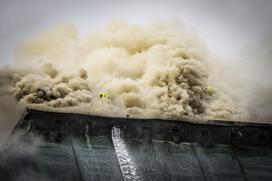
210,90
104,95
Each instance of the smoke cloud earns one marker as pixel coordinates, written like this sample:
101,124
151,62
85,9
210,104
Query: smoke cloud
10,113
21,148
160,70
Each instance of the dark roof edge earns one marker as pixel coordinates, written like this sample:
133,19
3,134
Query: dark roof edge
190,121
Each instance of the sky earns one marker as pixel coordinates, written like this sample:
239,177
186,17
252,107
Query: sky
228,27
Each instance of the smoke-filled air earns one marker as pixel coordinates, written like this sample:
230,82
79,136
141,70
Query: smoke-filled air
159,70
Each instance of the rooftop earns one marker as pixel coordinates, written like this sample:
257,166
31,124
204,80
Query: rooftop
65,146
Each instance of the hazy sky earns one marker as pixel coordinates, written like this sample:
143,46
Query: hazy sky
227,26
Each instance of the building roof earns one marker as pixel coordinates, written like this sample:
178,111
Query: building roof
65,146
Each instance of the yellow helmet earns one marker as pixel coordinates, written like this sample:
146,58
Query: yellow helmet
104,95
210,90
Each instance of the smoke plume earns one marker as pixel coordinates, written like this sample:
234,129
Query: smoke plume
10,113
160,70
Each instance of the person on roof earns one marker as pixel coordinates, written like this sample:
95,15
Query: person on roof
104,95
210,90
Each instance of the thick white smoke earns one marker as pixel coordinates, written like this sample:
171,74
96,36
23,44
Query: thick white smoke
10,113
160,70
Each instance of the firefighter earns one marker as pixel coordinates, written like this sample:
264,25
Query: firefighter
104,95
210,90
